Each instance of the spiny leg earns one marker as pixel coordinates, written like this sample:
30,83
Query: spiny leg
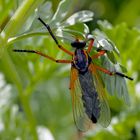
44,55
54,38
112,73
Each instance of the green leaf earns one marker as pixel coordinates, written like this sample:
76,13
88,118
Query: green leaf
115,84
6,8
45,12
82,16
115,49
109,80
104,44
124,70
111,57
104,24
61,12
104,41
121,88
101,40
38,29
78,30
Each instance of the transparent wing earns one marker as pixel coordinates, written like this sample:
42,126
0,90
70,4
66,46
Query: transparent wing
104,118
81,119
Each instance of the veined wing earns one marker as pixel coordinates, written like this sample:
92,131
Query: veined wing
104,118
81,119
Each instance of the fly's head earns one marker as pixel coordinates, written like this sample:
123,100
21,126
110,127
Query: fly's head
78,44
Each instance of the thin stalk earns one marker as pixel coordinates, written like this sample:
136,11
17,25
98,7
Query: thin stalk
18,20
28,112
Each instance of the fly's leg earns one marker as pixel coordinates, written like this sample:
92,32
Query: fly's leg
54,38
112,73
44,55
90,45
100,53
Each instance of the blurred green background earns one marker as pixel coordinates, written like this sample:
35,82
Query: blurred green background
35,100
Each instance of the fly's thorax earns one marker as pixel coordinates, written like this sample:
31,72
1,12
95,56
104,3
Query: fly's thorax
78,44
81,60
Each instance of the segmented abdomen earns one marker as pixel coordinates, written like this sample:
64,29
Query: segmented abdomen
89,96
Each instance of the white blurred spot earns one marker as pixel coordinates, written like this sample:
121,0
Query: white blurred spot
57,24
114,120
11,39
71,21
1,126
36,10
129,64
137,87
4,91
63,14
44,133
3,34
89,36
2,82
31,66
18,138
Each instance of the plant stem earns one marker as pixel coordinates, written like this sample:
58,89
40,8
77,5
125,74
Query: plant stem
24,95
10,30
31,120
18,19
